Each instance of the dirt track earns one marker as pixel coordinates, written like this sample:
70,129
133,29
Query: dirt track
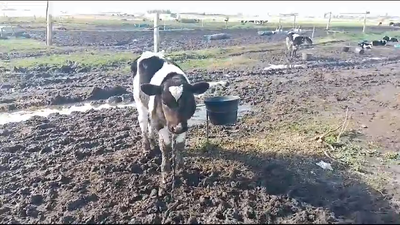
87,166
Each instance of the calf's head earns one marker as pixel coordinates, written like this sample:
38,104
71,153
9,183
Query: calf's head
308,41
177,100
386,38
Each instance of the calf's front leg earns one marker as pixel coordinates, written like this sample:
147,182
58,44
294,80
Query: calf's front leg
165,148
152,138
179,147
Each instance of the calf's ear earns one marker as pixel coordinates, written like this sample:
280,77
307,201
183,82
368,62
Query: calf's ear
199,88
150,89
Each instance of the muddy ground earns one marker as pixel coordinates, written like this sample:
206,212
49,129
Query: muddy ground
87,167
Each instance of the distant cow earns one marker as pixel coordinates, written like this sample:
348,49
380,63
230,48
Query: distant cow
279,29
297,30
379,43
293,42
165,98
254,21
390,39
394,24
261,21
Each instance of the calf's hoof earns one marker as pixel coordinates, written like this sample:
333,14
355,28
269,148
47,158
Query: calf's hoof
153,144
179,166
164,177
162,190
146,147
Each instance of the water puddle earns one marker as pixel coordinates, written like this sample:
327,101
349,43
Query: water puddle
280,67
23,115
329,63
198,118
200,115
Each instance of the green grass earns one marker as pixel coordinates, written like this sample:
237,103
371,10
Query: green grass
297,137
90,59
205,58
11,45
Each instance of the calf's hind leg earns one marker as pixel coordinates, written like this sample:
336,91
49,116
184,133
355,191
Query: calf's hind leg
144,126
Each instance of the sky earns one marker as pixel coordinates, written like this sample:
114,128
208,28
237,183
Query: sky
312,8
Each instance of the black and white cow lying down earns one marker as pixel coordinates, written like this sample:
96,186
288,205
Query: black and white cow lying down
379,43
390,39
293,42
164,98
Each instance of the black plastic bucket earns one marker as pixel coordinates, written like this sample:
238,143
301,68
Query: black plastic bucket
222,110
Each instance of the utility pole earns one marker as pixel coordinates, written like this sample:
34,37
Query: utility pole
329,20
156,33
313,31
294,21
49,25
365,21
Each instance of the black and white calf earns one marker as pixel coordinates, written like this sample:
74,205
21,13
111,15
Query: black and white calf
165,101
293,42
365,45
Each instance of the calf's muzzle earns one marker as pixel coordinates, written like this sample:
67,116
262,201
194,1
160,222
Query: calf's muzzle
178,129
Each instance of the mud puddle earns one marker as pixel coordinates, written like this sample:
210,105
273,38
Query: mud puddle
23,115
317,63
198,118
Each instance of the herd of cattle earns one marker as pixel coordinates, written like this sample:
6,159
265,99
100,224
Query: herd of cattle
368,44
294,41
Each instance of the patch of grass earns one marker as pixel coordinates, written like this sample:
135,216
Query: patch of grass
392,156
90,59
290,139
19,20
11,45
206,58
354,155
349,150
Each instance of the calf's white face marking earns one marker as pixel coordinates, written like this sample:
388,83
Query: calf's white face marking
159,77
176,91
